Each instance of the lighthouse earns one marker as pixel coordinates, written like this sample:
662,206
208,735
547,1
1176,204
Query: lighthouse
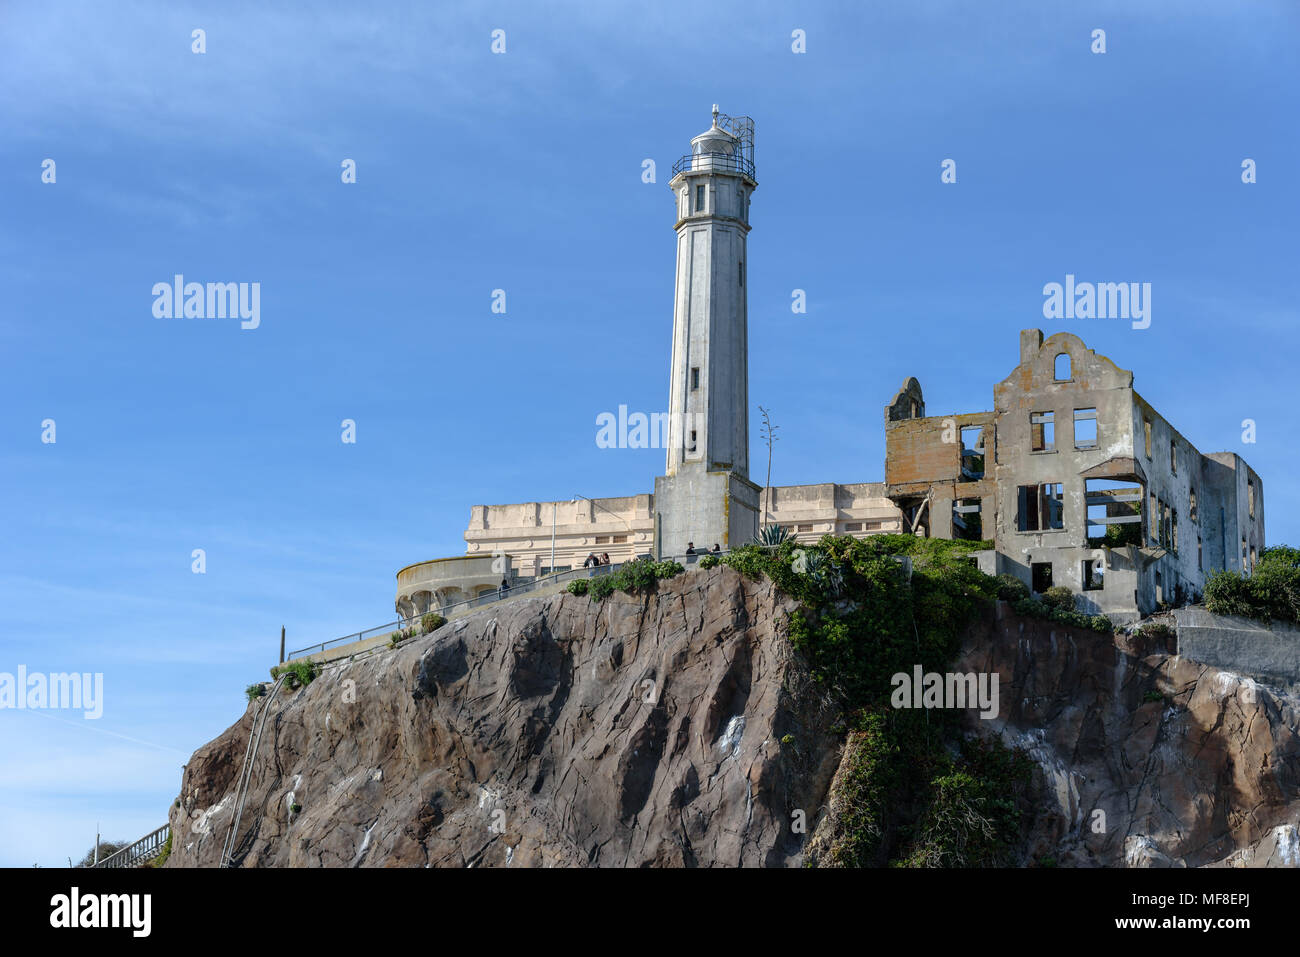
705,496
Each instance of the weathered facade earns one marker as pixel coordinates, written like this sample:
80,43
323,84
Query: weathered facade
1078,481
624,527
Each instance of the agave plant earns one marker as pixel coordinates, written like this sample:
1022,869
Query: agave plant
772,535
828,575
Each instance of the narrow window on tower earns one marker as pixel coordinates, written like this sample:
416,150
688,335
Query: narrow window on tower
695,379
692,445
699,199
740,270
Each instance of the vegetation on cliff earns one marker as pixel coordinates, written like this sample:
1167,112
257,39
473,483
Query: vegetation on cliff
912,791
1271,592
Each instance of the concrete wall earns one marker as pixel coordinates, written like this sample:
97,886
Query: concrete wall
432,585
1270,652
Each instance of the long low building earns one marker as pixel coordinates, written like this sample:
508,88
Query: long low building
625,527
530,539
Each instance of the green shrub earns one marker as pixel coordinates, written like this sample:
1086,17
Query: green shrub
709,561
867,784
295,808
639,575
1279,556
976,810
297,673
601,587
254,691
668,569
1157,629
1058,596
165,853
1153,696
1033,608
432,621
1272,593
578,586
1011,588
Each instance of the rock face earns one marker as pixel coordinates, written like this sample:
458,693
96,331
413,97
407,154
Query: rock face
681,729
1206,775
641,730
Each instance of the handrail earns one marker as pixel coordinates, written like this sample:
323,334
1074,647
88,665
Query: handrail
487,598
724,162
146,848
246,773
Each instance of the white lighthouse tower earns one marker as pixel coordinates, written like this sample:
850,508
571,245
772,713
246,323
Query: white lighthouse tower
706,496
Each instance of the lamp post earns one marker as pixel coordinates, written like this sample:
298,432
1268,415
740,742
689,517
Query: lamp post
555,508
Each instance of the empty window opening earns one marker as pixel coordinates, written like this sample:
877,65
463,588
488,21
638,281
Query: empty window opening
1166,526
1153,521
691,447
1160,590
1085,428
1042,575
1173,530
1040,507
1191,509
1114,512
972,453
967,522
1094,574
1062,372
1173,457
1042,428
1200,555
1146,437
1250,497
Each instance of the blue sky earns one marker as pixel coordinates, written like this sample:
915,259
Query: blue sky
522,172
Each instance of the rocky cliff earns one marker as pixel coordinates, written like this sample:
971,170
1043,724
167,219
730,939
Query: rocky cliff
1146,758
680,728
640,730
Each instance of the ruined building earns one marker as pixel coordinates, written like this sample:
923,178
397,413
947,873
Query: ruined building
1078,481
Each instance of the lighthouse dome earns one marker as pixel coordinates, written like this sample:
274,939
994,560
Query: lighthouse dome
713,140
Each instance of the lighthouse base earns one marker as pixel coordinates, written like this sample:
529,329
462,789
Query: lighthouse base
704,508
